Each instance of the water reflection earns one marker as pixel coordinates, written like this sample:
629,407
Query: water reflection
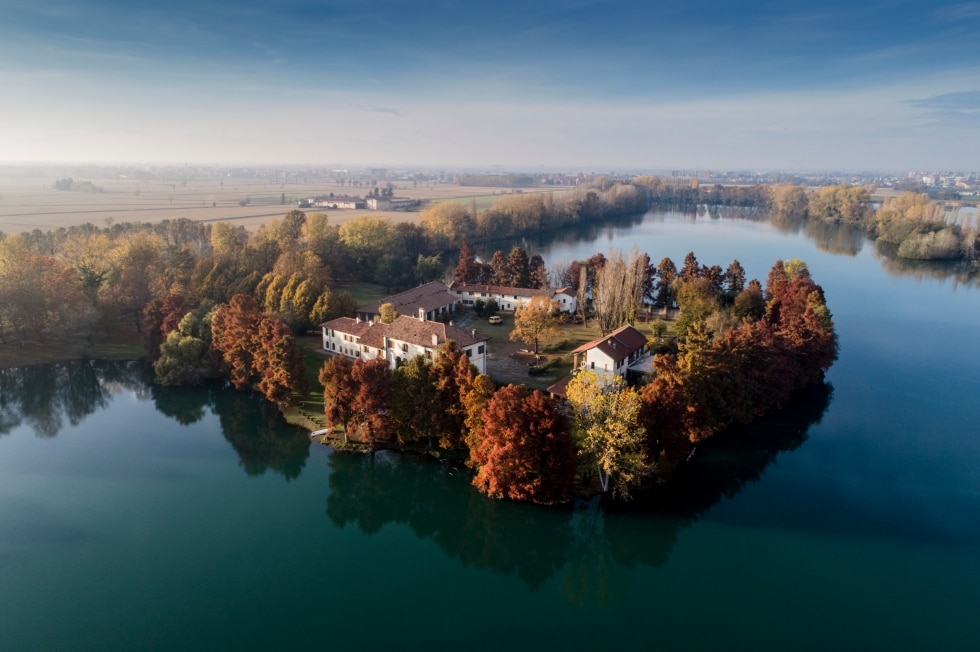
259,435
591,544
45,397
962,272
836,239
253,427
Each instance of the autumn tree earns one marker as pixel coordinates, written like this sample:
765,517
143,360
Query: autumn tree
520,268
697,299
523,448
339,392
412,388
607,430
447,222
500,273
370,407
279,363
387,313
451,375
691,267
234,330
537,321
789,202
474,402
467,270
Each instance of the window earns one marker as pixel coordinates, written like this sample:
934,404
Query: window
480,349
466,352
404,347
428,354
364,348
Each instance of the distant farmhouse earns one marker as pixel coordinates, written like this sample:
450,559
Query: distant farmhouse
508,298
430,301
401,340
391,203
324,201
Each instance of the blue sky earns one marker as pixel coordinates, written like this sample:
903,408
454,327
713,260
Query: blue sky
593,84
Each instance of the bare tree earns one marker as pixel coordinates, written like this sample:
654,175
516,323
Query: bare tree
618,289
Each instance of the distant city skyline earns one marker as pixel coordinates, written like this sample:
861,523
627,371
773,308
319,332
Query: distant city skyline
886,86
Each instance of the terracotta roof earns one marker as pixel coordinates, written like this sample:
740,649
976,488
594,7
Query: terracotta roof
630,336
618,345
348,325
430,296
412,330
502,290
560,388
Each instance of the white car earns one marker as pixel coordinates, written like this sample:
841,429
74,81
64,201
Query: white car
495,319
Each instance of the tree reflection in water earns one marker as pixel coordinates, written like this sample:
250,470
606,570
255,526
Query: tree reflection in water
589,544
45,397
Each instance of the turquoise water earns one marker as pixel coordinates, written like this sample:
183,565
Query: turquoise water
135,517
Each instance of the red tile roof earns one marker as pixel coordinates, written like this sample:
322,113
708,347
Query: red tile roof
430,296
618,345
412,330
501,290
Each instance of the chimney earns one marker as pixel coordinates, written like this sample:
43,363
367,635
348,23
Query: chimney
357,320
421,314
435,339
450,322
473,332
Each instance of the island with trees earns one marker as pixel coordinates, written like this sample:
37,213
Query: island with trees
212,300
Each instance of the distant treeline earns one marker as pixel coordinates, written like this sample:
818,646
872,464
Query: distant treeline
76,186
496,180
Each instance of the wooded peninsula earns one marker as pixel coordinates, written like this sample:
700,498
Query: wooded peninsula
212,300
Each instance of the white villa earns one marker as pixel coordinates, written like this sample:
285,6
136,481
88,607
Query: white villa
612,354
401,340
508,298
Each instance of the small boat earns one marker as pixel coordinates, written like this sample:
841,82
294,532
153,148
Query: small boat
316,433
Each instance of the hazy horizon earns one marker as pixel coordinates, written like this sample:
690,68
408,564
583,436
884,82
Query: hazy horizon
596,85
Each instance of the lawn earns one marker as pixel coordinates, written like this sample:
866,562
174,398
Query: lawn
363,293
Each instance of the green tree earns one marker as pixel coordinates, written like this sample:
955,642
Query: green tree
185,357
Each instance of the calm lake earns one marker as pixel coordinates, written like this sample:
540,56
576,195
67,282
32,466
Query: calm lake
140,517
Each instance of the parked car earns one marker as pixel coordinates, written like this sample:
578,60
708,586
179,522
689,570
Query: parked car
495,319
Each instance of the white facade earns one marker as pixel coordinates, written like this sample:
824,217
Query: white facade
508,299
401,340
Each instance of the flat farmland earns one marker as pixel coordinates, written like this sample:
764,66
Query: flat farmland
32,202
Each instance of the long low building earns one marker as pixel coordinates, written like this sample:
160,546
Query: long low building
508,298
401,340
430,301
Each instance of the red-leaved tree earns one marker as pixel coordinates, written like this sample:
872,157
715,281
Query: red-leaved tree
523,448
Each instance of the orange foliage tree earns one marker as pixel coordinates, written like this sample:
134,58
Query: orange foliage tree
523,448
